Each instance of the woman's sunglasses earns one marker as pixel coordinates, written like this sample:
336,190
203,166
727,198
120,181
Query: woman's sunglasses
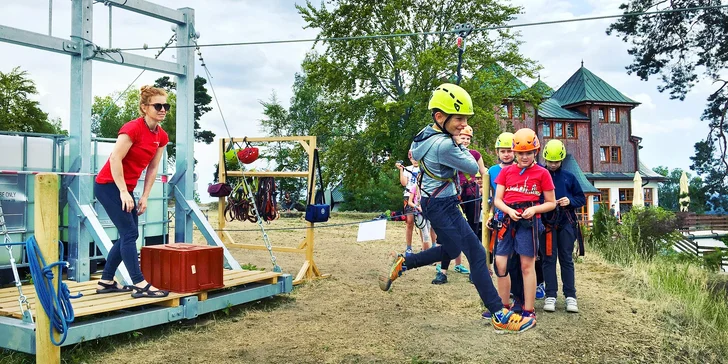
158,106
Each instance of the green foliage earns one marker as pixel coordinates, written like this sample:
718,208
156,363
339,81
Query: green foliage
108,117
378,193
713,261
366,99
690,42
643,234
669,191
18,112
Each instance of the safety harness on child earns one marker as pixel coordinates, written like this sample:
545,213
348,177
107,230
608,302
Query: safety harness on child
506,226
554,226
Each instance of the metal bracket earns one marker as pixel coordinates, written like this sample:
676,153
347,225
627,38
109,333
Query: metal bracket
71,47
463,29
176,314
190,305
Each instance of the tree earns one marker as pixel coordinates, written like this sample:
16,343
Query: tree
17,111
375,91
678,46
669,191
108,117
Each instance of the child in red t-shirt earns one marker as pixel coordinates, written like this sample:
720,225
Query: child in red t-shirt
518,192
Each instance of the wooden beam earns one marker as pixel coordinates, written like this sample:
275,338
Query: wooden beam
276,174
271,139
46,234
281,249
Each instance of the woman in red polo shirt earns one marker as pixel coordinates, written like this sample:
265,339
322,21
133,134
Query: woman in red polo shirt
139,146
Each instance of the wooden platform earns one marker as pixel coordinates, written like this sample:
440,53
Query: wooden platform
92,303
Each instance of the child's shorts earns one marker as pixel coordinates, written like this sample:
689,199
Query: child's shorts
523,243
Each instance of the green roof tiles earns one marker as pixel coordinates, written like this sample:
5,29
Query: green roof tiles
569,164
542,88
586,86
550,109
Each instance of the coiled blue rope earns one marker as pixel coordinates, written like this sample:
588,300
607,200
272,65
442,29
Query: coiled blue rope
56,302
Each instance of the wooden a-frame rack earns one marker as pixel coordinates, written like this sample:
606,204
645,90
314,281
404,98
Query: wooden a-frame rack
309,270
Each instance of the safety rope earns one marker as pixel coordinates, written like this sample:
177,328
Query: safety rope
259,220
55,302
22,299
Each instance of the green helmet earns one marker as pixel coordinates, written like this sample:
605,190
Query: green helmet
451,99
504,141
554,151
231,156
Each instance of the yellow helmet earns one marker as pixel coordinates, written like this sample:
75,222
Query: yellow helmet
554,151
451,99
504,141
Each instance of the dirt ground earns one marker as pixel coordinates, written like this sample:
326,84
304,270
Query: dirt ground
347,318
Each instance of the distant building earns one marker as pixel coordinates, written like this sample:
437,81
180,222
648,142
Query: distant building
594,120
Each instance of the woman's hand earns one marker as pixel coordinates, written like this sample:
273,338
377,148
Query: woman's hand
142,205
528,213
127,202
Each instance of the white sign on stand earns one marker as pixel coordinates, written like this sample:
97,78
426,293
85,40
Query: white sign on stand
372,230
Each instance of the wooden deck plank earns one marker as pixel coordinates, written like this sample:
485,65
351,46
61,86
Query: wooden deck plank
92,303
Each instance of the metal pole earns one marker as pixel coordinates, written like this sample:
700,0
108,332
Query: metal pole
110,26
50,17
80,141
185,125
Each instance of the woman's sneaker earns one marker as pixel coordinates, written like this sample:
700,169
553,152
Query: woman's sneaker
571,305
440,278
509,321
541,291
549,304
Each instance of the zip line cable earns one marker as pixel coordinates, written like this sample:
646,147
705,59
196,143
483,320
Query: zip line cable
399,35
266,240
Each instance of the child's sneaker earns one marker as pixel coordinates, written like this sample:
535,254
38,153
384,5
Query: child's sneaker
487,315
516,306
408,252
550,304
438,269
571,305
529,314
461,269
396,269
509,321
541,291
440,278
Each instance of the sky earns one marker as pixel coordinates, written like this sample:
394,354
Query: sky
245,75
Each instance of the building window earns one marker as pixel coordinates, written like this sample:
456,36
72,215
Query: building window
604,154
648,197
547,129
602,200
616,155
626,195
613,115
558,130
610,155
571,130
600,114
517,114
504,111
581,214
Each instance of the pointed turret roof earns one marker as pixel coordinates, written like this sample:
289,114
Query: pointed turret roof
586,86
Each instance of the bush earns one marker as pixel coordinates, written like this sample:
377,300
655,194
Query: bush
650,230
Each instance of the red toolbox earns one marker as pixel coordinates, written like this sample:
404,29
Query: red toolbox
183,268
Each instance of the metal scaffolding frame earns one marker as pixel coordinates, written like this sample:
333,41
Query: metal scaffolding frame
84,225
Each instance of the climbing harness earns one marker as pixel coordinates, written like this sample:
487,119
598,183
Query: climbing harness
507,228
554,225
266,198
22,299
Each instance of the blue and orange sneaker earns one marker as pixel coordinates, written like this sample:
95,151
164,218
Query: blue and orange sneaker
396,269
509,321
527,314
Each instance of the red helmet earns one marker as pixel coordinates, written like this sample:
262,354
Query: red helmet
248,154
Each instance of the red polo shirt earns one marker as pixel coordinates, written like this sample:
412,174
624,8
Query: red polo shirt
145,144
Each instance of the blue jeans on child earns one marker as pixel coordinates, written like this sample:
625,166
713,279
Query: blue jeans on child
454,235
563,248
127,223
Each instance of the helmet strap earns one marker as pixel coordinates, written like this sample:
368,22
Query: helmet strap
444,124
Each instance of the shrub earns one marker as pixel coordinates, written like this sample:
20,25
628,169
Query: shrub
649,230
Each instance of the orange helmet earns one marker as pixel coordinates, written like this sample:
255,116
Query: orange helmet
525,140
467,130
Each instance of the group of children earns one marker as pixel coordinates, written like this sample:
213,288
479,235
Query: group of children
534,213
